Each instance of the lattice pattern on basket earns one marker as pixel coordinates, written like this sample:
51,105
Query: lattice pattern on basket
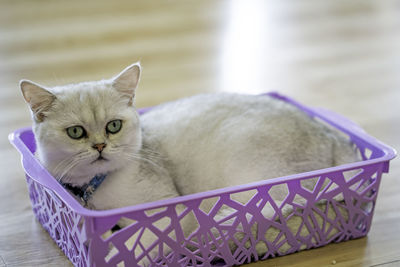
65,227
337,209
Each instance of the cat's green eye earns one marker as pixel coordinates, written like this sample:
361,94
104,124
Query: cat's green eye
76,132
114,126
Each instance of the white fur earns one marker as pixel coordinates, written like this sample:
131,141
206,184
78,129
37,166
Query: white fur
187,146
218,140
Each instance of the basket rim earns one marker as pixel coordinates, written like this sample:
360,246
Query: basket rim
39,174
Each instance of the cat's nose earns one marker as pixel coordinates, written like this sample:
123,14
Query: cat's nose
99,147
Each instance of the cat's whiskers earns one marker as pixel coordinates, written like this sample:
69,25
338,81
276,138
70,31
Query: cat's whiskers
141,158
144,155
64,166
149,156
143,149
65,173
152,153
61,166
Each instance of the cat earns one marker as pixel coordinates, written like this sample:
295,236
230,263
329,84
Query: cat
191,145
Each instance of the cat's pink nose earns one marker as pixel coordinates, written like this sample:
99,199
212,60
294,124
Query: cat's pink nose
99,147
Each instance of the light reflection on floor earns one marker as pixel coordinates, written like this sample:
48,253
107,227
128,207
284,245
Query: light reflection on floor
244,46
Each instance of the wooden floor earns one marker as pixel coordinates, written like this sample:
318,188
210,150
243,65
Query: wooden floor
342,55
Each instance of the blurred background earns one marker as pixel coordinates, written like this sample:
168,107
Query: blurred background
341,55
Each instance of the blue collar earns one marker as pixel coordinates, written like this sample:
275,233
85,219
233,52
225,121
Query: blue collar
86,191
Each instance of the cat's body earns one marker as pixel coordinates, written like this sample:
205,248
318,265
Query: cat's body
213,141
187,146
218,140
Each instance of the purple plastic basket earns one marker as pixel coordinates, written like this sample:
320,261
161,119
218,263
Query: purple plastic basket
80,232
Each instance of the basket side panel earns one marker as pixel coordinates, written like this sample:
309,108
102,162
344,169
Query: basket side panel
65,227
275,219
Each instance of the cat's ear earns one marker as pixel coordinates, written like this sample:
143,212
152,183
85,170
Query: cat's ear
38,98
127,81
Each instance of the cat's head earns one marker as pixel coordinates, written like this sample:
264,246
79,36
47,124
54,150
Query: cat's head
87,128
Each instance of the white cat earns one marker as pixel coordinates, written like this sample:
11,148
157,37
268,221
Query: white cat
187,146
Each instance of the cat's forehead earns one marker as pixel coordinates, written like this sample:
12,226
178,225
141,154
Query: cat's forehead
71,90
88,103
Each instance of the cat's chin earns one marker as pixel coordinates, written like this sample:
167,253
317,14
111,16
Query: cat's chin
99,160
81,176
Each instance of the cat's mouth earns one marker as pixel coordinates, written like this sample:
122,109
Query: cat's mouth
100,158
